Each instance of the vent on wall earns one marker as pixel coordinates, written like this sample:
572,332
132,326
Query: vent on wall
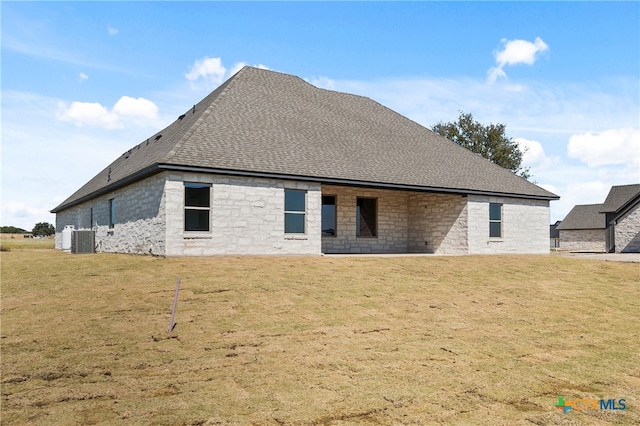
83,241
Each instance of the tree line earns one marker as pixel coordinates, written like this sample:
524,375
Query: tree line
41,229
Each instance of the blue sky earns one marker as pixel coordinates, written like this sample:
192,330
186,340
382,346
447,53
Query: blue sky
83,82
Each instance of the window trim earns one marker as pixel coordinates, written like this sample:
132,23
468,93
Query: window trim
112,213
194,232
295,212
374,233
335,216
498,221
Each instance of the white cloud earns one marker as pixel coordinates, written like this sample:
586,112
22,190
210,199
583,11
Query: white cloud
323,82
534,155
68,155
132,107
238,66
20,209
82,76
127,110
90,113
610,147
112,31
515,52
210,70
211,73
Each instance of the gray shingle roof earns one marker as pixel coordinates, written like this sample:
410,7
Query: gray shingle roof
583,216
272,124
619,196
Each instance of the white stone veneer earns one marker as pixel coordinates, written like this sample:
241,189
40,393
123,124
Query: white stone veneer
627,239
139,219
525,226
247,217
416,222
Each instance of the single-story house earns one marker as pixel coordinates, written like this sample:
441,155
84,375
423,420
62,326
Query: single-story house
622,219
270,164
583,230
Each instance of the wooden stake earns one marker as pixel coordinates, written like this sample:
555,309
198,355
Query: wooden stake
172,325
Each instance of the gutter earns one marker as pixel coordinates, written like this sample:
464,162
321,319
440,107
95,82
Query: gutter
350,182
157,168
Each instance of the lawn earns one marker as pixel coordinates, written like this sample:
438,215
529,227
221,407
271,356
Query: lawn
19,243
317,340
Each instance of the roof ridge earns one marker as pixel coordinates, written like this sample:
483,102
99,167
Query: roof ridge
228,84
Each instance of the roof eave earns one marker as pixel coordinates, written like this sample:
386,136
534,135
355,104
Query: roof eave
625,207
157,168
351,182
142,174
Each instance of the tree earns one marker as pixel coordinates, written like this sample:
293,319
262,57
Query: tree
12,230
490,141
43,228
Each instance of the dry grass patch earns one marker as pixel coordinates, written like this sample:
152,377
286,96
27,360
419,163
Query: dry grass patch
19,243
318,341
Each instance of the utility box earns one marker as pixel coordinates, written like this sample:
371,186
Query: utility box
83,241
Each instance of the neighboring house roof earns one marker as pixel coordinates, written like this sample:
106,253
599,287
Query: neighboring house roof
584,216
620,197
264,123
553,230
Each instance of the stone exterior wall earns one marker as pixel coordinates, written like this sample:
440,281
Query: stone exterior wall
583,240
525,226
437,224
392,221
247,217
139,219
627,229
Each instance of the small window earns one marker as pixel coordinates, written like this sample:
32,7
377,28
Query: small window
112,212
495,220
367,217
197,207
91,217
328,215
295,205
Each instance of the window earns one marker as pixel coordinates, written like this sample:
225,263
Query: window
112,213
366,217
495,220
328,215
91,217
295,205
197,207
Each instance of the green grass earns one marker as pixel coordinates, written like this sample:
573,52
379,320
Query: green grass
316,340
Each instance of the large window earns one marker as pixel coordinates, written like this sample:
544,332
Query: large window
495,220
197,207
328,215
112,212
367,217
295,205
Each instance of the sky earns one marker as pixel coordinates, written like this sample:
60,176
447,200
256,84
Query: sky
83,82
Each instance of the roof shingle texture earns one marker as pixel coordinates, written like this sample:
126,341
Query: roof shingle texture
619,196
277,124
583,216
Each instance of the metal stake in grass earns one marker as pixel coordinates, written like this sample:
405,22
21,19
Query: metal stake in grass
172,324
